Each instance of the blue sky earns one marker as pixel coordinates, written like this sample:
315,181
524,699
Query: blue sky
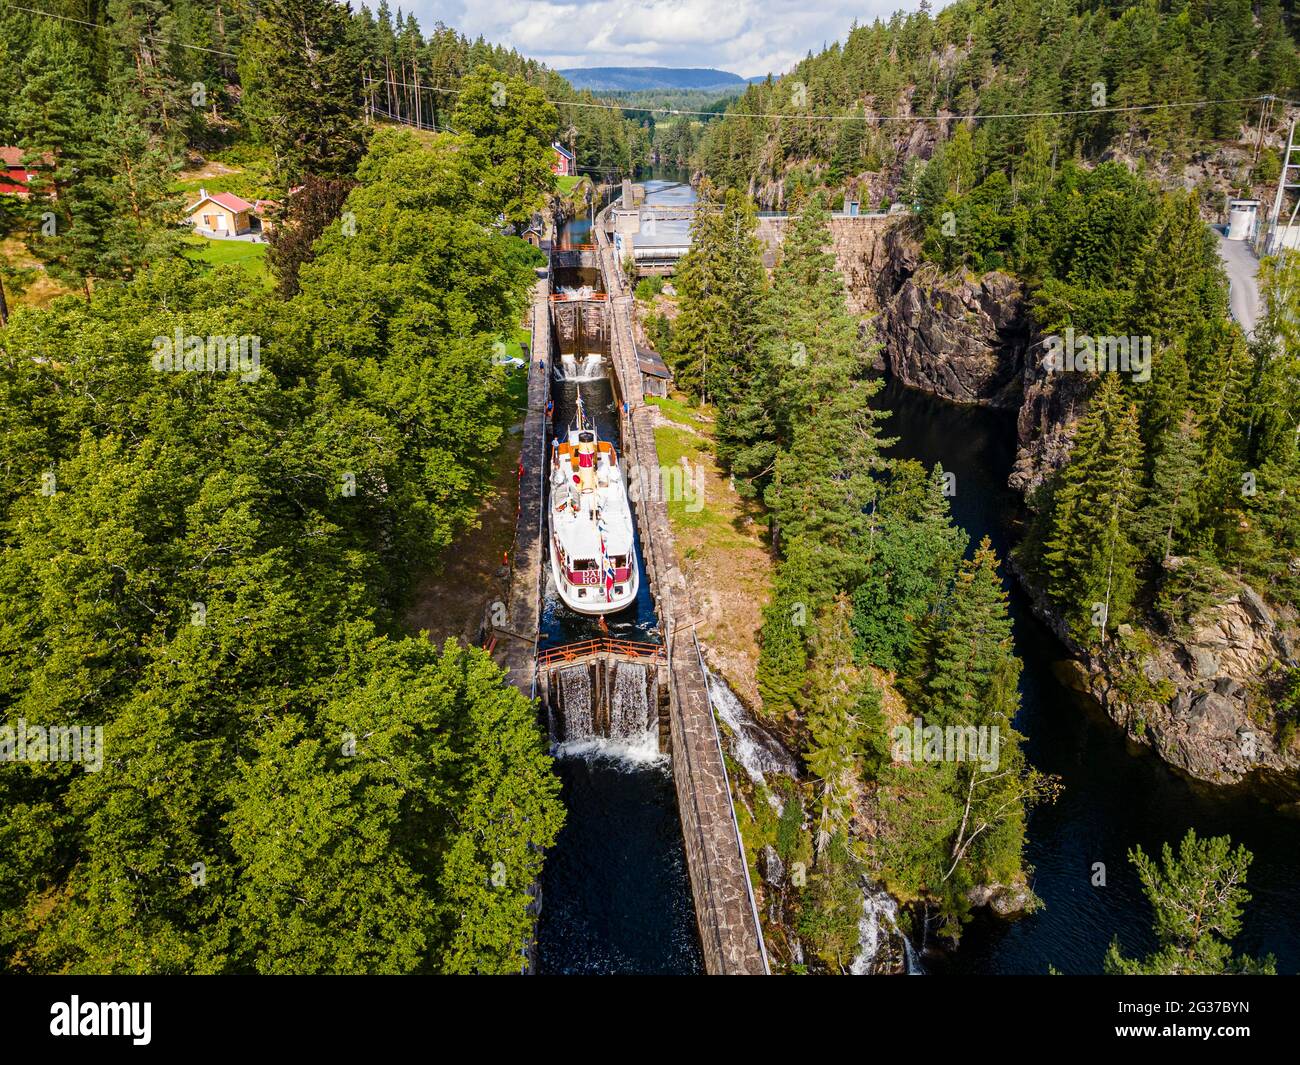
747,37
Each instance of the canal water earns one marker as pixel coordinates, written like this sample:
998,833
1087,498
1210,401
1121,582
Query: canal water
1115,796
616,896
560,624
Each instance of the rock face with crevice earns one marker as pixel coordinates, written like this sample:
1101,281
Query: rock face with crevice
956,336
961,338
969,340
1050,408
1214,720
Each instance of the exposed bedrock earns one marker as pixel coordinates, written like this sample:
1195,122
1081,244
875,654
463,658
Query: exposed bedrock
956,336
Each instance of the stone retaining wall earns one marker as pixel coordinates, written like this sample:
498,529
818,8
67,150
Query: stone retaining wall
516,639
729,932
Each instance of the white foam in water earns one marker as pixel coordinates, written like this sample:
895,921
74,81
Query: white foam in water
762,754
879,919
759,752
575,682
591,368
636,754
629,719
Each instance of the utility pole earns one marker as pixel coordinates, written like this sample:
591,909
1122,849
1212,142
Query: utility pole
1286,180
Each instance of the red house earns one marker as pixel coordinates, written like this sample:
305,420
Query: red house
15,176
564,163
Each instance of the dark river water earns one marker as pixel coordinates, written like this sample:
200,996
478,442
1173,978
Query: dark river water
1114,797
615,892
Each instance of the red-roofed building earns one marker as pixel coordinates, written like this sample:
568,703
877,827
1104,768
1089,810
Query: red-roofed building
563,164
16,176
222,214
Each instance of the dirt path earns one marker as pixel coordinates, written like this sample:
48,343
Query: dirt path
453,602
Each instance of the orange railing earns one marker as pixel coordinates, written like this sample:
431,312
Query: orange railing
572,247
571,652
560,297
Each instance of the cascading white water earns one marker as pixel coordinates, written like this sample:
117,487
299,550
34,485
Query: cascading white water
755,749
880,940
633,728
577,292
879,936
629,715
575,683
590,368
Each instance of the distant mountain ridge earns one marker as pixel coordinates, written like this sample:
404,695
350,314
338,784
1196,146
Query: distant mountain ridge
639,79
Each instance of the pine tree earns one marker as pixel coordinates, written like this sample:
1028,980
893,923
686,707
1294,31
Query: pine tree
1197,896
720,284
1220,367
736,369
965,682
912,552
971,669
1171,502
823,485
843,719
301,88
1181,279
1090,554
783,654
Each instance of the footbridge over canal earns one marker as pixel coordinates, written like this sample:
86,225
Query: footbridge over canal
666,682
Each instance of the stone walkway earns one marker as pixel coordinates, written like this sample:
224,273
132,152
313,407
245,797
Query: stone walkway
724,910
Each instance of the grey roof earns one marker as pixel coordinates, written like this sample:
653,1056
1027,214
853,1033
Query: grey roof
652,364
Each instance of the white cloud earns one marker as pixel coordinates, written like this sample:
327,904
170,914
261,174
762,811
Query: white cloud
747,37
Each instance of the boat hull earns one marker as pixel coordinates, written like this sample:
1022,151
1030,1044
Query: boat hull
593,603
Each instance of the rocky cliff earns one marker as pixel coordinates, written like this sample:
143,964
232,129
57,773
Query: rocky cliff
1203,698
1050,405
962,338
956,336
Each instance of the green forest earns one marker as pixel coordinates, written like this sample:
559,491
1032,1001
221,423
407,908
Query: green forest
1180,489
873,577
220,484
210,565
991,57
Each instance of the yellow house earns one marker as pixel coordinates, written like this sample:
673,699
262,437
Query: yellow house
221,214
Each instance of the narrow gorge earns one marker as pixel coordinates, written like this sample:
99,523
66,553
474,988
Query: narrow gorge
970,340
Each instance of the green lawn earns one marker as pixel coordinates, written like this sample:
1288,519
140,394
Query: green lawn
249,257
678,410
566,185
515,344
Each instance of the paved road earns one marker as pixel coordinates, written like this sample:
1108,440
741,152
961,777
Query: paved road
1243,288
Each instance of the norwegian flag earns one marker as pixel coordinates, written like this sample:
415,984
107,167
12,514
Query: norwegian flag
609,581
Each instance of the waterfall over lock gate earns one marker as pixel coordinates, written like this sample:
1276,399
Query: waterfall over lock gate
605,705
578,705
581,367
629,718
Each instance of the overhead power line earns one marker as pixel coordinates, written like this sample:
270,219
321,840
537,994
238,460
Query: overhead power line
606,106
96,26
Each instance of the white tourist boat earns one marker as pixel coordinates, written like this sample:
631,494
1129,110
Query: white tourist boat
593,554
